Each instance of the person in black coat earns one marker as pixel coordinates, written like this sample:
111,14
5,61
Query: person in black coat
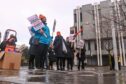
112,64
58,47
70,55
81,57
31,54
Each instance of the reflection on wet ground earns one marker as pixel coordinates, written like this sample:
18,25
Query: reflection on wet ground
88,76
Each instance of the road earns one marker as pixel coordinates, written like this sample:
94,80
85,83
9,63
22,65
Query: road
91,75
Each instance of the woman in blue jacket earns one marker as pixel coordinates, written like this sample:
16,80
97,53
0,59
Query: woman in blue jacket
43,37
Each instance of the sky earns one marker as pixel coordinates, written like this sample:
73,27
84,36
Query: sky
14,14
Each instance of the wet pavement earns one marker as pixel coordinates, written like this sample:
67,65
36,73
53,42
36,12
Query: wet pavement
91,75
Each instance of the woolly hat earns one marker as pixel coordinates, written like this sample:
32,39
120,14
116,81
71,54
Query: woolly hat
41,16
58,33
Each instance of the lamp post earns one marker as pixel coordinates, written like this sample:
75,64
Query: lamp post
98,34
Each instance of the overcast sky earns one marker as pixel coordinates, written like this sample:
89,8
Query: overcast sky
14,14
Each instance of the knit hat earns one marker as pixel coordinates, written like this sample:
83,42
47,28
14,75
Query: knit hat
58,33
41,16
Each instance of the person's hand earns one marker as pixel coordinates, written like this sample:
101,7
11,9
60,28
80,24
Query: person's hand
51,37
51,46
41,31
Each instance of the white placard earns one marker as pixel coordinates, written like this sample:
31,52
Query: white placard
35,22
80,44
71,38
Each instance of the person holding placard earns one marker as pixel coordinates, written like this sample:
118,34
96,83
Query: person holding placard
80,58
42,40
70,55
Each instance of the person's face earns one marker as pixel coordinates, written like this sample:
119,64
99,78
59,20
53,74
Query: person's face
43,20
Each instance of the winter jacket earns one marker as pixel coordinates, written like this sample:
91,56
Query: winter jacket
43,39
52,54
70,53
82,55
33,49
58,47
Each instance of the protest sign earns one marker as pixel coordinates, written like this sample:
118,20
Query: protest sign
71,38
80,44
36,22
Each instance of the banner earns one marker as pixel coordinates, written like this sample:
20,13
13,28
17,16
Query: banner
35,22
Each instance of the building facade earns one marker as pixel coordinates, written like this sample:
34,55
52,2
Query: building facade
97,21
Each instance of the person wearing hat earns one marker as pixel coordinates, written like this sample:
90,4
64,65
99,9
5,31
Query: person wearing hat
44,40
58,48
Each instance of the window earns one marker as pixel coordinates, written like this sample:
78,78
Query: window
81,18
75,18
75,29
71,31
82,31
89,47
99,11
102,44
95,45
93,16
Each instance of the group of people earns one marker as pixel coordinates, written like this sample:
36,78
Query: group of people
44,51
